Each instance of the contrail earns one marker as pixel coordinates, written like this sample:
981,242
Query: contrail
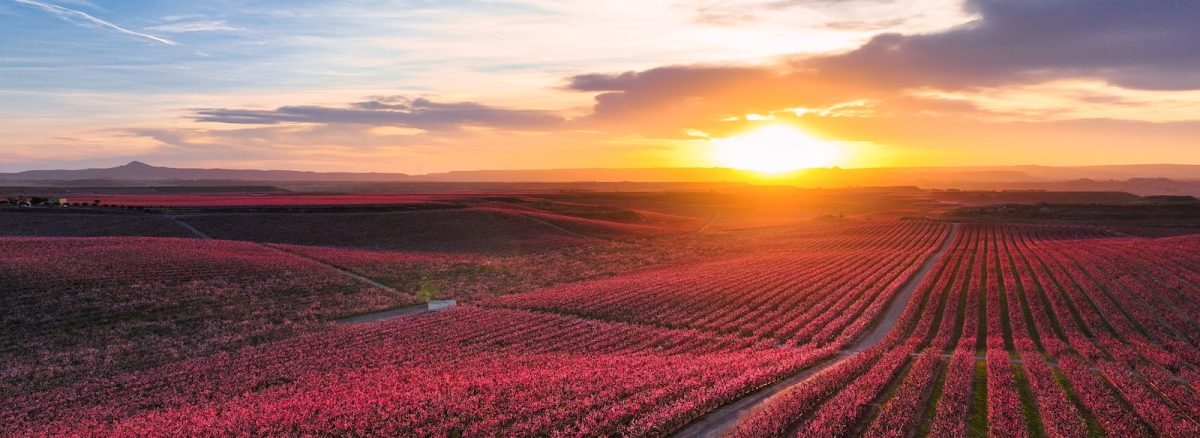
68,14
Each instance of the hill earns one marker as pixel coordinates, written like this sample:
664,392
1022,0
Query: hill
1138,179
139,171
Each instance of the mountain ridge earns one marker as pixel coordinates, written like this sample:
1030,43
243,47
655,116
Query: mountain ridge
923,176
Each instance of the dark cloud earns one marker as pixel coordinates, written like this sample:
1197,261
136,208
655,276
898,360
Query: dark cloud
671,96
691,89
392,111
1074,140
664,79
1147,45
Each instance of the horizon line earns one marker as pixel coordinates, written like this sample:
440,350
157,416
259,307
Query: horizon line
776,174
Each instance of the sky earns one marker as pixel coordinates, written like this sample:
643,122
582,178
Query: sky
426,86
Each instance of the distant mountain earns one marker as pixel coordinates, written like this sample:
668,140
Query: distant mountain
661,174
1113,172
1142,179
139,171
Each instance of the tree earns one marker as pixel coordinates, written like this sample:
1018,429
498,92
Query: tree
428,291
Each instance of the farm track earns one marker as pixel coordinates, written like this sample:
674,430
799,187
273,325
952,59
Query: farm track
200,234
555,227
716,215
354,319
385,314
334,267
722,420
189,227
366,317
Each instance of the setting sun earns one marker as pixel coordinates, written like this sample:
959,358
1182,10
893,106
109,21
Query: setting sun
774,149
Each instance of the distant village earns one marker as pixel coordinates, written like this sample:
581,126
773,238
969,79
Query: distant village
43,201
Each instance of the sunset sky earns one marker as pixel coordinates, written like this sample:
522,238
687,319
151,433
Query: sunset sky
426,86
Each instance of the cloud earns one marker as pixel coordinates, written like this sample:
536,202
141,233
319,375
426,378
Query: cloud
841,15
417,113
194,26
84,3
664,101
865,25
1131,44
724,17
664,79
1012,43
368,148
72,16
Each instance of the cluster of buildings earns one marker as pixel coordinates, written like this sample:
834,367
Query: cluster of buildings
22,201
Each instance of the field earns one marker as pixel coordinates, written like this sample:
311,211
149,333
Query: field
87,224
593,315
78,307
260,200
1023,331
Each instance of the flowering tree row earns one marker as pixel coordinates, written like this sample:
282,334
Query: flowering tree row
840,415
89,307
87,224
1058,416
900,414
458,230
470,276
952,407
817,290
800,408
779,414
1068,332
259,200
1146,302
479,372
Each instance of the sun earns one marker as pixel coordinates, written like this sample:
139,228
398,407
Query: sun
774,149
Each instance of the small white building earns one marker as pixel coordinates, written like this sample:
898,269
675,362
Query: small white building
439,305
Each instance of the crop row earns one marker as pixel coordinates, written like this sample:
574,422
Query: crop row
468,276
458,230
901,413
84,307
489,371
75,224
255,200
814,291
480,372
1050,330
800,407
1059,329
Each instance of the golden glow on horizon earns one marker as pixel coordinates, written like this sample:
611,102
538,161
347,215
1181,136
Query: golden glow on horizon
775,149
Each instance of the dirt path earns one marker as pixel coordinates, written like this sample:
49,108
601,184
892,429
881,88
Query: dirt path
719,422
356,319
200,234
710,221
189,227
556,227
367,317
896,307
333,267
385,314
